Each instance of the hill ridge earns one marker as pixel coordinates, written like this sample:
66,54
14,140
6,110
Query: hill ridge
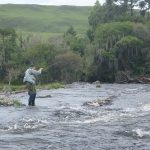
44,18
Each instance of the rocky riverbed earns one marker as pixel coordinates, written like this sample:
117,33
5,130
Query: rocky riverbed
65,120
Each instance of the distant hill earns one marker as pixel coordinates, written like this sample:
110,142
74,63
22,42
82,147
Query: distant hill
38,18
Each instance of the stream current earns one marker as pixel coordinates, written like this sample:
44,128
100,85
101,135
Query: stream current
63,123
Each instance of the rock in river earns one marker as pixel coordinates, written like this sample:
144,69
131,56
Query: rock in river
6,102
99,102
9,102
97,83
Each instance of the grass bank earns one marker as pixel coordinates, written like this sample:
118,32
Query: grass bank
44,19
7,88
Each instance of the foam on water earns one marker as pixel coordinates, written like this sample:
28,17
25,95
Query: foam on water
146,107
62,122
141,132
25,124
138,111
87,116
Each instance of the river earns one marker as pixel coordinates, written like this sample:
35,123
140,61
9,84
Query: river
63,123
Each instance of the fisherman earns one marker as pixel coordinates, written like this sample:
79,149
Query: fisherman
30,80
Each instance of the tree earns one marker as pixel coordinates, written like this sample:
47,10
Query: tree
142,32
128,5
78,44
12,74
40,54
124,5
142,5
108,34
132,4
8,47
7,44
109,9
75,41
67,66
128,52
96,15
148,8
71,31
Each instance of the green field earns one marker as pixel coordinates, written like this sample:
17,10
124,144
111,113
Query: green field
44,19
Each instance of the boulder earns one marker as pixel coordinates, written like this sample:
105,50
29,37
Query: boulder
97,83
9,102
6,102
45,96
99,102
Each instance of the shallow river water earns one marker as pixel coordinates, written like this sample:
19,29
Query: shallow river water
63,123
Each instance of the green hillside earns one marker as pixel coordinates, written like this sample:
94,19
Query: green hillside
46,19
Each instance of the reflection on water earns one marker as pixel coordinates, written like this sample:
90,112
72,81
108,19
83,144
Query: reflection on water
61,122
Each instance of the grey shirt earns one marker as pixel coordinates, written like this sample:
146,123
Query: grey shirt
30,75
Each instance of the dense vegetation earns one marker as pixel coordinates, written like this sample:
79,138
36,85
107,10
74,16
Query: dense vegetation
117,41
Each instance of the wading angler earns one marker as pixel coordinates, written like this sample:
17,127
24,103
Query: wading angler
30,80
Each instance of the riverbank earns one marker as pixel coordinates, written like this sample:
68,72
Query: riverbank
21,88
6,91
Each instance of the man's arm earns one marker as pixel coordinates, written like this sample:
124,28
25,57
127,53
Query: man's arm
36,72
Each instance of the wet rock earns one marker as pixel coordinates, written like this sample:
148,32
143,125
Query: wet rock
125,77
6,102
46,96
16,92
9,102
99,102
97,83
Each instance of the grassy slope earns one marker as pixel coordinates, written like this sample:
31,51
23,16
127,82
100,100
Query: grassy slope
51,19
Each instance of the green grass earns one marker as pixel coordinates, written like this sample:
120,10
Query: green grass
49,86
7,88
44,19
54,85
17,103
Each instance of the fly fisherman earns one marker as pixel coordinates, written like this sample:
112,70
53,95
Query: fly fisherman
30,80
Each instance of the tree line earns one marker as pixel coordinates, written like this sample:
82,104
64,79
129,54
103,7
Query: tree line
120,34
118,40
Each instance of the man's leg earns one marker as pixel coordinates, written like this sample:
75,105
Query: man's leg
31,93
30,100
33,99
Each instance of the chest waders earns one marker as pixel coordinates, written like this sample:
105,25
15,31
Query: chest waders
31,93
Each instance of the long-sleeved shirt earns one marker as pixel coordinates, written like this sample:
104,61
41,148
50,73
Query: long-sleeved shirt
30,75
